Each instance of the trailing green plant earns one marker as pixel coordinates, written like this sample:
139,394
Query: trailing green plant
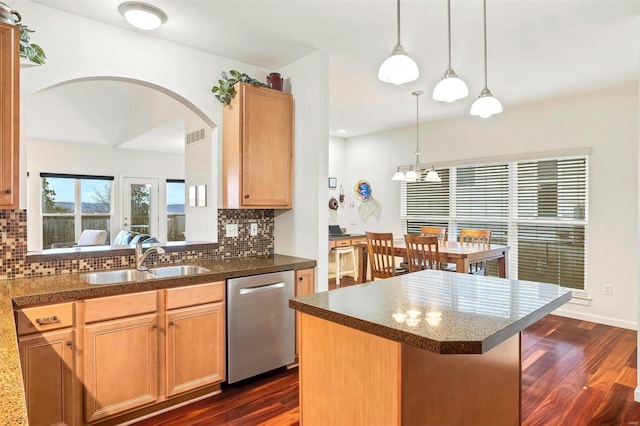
28,50
225,90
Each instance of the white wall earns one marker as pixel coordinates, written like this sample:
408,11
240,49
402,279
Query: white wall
72,158
302,231
605,121
338,163
77,48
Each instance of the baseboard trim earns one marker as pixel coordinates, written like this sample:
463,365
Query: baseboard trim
614,322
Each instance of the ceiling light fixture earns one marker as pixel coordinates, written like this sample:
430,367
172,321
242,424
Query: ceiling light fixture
142,15
413,174
398,68
451,87
486,105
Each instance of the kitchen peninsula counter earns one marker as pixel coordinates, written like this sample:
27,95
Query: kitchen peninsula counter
70,287
457,362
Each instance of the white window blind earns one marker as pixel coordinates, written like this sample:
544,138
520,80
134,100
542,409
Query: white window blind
551,228
538,207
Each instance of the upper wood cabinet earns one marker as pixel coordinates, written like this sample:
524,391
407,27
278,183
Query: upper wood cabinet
9,115
257,137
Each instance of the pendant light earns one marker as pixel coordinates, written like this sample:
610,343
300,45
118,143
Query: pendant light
450,88
413,174
486,105
398,68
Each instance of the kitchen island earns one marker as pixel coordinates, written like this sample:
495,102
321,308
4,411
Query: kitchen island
431,347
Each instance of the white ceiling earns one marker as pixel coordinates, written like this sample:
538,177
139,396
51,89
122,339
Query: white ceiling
111,113
537,49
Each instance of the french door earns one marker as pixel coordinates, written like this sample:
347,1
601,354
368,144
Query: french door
140,204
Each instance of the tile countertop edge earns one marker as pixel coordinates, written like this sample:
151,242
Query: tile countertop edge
13,409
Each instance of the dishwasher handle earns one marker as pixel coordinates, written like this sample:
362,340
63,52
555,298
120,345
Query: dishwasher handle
258,288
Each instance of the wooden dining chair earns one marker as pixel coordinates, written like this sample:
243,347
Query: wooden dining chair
381,255
427,231
476,236
422,252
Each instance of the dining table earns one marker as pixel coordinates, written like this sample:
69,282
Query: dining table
461,254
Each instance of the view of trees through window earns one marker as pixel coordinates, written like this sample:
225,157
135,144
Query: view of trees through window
71,205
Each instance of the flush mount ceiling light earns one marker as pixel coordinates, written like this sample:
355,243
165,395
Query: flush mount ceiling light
142,15
398,68
486,105
450,88
413,174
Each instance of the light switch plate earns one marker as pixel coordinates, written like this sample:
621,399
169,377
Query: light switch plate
232,230
254,229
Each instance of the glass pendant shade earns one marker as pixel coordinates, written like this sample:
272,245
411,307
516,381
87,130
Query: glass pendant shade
411,176
398,175
450,88
398,68
486,105
432,176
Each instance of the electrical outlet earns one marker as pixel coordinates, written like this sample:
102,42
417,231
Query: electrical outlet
608,289
232,230
254,229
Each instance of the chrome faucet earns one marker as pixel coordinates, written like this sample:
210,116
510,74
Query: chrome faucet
140,256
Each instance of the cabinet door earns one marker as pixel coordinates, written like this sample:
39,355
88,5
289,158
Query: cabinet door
304,285
195,347
267,148
120,365
48,371
9,115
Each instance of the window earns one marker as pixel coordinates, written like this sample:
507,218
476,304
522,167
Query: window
73,203
175,210
537,207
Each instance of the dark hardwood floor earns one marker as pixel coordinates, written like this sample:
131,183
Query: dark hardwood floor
573,373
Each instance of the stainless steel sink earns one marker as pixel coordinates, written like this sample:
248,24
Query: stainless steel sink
120,276
177,271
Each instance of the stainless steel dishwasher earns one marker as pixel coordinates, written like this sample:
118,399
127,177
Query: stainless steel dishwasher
260,324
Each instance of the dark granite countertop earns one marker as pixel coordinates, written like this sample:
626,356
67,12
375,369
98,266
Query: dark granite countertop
454,313
68,287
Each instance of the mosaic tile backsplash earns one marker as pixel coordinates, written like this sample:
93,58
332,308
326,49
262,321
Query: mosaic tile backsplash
14,262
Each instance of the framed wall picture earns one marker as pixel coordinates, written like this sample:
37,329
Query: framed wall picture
333,182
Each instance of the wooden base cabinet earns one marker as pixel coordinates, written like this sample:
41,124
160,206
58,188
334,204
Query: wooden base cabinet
48,370
195,347
120,365
304,285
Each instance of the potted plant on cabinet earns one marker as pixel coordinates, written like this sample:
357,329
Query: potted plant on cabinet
225,91
28,50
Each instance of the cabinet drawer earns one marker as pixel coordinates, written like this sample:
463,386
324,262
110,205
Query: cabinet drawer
124,305
355,241
195,295
44,318
341,243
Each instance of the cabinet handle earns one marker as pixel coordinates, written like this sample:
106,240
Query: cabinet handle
246,196
300,278
171,323
8,191
155,325
69,343
48,320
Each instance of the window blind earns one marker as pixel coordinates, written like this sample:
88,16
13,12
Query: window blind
537,207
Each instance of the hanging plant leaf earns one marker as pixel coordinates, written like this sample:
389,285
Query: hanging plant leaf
225,90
